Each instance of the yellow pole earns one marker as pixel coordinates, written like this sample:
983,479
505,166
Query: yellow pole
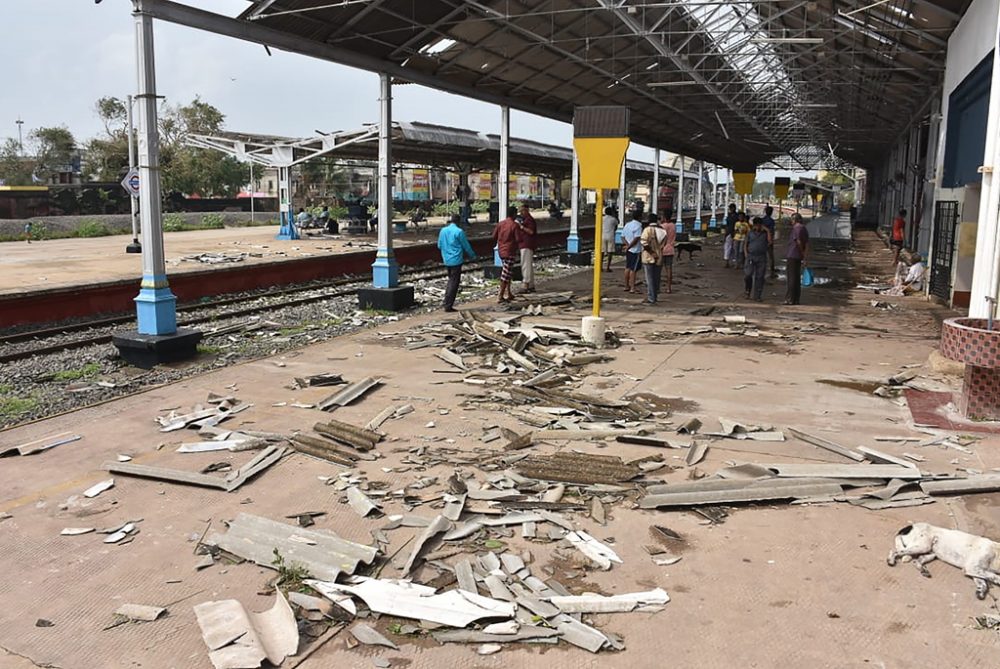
598,252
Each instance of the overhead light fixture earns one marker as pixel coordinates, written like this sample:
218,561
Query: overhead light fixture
668,84
787,40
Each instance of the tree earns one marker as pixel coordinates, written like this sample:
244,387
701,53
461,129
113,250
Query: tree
188,169
15,170
55,151
106,157
323,178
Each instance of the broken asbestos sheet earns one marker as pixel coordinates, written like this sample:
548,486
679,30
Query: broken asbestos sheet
323,553
454,608
613,604
238,639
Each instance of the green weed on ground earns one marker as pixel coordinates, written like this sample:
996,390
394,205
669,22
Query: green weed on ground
90,369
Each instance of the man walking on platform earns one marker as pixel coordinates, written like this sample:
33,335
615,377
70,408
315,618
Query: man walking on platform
727,240
505,237
769,225
630,243
527,242
454,245
755,248
609,223
795,257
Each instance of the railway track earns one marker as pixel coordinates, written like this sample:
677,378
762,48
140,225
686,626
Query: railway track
337,288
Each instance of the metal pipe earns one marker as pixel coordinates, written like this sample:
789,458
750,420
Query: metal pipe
679,204
597,253
573,241
385,270
134,247
656,182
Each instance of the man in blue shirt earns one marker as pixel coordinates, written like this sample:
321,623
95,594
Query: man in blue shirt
454,247
630,243
768,221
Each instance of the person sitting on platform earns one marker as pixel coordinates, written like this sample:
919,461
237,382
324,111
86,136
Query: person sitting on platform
304,219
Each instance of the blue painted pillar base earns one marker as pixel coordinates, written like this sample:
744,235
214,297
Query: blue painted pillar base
618,237
385,270
156,308
288,231
712,223
679,227
399,226
573,244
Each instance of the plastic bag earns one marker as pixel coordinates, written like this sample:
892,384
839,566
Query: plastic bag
807,276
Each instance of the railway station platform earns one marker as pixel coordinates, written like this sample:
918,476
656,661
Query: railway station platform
766,584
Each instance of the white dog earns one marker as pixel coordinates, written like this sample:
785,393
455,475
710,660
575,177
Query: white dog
978,556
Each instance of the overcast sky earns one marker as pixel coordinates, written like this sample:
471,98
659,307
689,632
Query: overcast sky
60,56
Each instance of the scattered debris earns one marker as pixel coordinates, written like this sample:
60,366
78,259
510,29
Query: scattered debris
98,488
827,445
39,445
369,636
350,394
260,540
577,468
259,463
140,612
612,604
238,639
601,554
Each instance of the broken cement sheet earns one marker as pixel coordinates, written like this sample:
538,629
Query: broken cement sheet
696,453
601,554
577,468
39,445
234,480
98,488
370,636
360,502
438,525
349,394
140,612
238,639
613,604
723,491
734,430
845,471
323,553
454,608
526,633
827,445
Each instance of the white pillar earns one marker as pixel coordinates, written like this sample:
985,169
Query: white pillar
134,247
712,221
155,304
656,181
503,196
385,270
573,241
621,195
679,204
986,273
701,179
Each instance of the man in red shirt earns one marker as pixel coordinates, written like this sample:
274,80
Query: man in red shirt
505,236
527,242
898,229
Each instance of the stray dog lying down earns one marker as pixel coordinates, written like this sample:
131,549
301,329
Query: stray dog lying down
979,557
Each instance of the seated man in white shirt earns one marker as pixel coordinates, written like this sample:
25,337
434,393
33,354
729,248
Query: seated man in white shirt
914,281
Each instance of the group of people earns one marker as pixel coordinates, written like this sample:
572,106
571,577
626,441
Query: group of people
516,239
651,245
749,245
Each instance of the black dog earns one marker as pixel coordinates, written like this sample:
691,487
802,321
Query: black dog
690,247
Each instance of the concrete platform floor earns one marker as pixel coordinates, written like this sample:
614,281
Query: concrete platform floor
774,586
67,262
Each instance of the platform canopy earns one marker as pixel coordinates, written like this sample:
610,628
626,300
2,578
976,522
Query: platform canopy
417,144
733,82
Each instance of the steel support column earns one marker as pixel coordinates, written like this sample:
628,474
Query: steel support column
712,222
385,270
503,196
656,182
155,304
573,241
701,179
679,200
986,273
135,246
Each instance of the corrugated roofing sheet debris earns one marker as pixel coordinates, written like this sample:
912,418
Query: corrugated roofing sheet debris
438,525
883,458
39,445
845,471
580,634
349,394
601,554
238,639
741,493
827,445
526,633
690,427
647,441
453,608
610,604
321,448
972,484
370,636
360,502
323,553
577,468
696,453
